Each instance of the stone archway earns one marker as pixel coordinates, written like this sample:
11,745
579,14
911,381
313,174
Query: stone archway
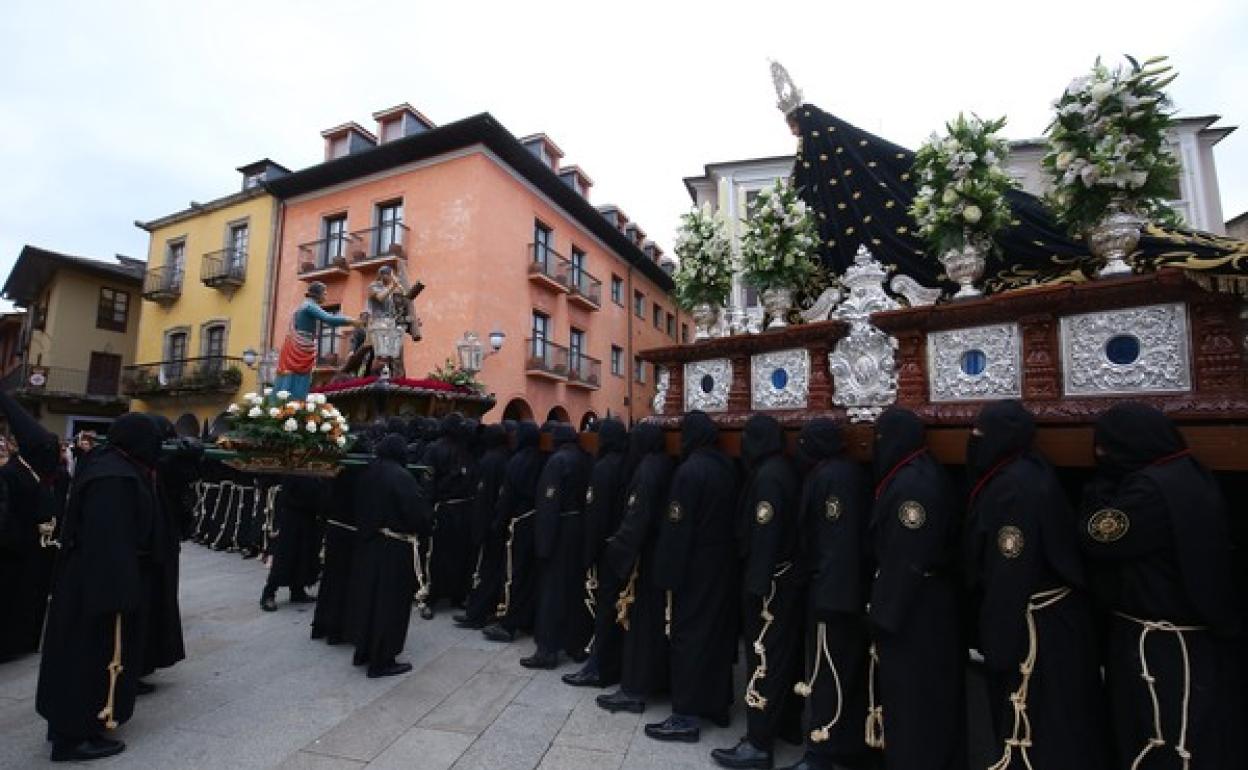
588,420
518,409
558,414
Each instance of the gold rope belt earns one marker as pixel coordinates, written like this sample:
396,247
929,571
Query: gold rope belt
505,604
1020,735
875,711
107,714
624,602
1146,673
753,698
804,689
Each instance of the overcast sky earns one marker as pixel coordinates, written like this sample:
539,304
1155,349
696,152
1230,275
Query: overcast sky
117,111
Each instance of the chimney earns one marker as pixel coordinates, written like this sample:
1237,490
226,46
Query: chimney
347,139
263,170
544,149
400,121
577,179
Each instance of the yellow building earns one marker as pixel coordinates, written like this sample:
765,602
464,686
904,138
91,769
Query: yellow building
206,303
79,332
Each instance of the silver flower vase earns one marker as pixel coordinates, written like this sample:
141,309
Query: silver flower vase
777,301
1114,238
705,318
965,265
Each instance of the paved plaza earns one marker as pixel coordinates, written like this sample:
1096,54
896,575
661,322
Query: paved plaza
256,692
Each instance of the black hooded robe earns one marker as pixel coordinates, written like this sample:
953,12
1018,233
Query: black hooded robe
563,620
767,532
489,541
1022,559
914,611
604,507
387,497
297,547
833,523
452,560
516,510
1155,530
329,621
696,563
97,613
630,559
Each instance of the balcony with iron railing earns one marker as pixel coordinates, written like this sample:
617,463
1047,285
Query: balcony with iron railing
584,371
36,381
184,376
384,244
546,359
224,269
584,289
163,284
325,258
548,267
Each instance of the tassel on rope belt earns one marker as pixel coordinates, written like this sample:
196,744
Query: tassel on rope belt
624,602
591,602
1020,736
422,590
1158,739
108,714
505,604
753,698
804,689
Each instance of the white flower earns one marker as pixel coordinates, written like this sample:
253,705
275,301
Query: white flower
972,214
268,391
1090,175
233,409
1100,90
282,395
341,441
249,396
274,412
310,427
291,425
326,414
255,412
326,427
949,197
1063,160
256,400
296,405
1139,178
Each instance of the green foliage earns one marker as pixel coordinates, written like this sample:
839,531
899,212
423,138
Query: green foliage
275,421
705,271
781,236
454,374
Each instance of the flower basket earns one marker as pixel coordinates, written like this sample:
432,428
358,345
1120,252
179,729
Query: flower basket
272,433
704,276
780,240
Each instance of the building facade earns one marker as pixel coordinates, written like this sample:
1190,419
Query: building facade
79,333
205,303
504,239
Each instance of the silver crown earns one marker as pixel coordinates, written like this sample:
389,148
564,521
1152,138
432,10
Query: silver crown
788,95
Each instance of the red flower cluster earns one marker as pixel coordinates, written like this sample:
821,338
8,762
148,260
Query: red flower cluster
402,382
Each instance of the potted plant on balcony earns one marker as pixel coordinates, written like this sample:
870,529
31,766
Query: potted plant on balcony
704,277
274,434
778,249
1110,159
232,378
961,203
395,250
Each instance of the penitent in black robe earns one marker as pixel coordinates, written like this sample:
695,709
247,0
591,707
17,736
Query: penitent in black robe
329,622
696,561
452,560
767,529
489,540
1024,568
630,560
175,473
914,610
25,565
833,523
297,545
99,601
604,506
382,580
516,501
1155,531
563,620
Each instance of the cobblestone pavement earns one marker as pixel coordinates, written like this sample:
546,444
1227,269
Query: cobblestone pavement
256,692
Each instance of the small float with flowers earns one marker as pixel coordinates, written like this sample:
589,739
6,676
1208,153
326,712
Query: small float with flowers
273,433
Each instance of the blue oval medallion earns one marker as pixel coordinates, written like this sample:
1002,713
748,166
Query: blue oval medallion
973,363
707,384
1123,349
779,378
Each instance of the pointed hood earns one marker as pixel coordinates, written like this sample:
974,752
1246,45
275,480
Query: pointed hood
1003,429
612,437
762,438
1131,436
35,444
820,440
898,433
697,430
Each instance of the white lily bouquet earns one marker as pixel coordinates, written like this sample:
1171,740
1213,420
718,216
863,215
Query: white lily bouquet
962,185
780,240
1108,148
275,421
705,272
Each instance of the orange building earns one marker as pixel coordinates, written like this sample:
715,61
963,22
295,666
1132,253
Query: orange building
504,239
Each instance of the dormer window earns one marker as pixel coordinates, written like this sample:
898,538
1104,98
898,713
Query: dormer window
400,121
347,139
544,149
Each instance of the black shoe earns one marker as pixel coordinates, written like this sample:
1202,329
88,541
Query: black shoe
620,701
496,633
144,688
674,728
467,622
85,751
426,612
250,553
392,669
744,754
723,720
541,660
301,598
583,678
268,604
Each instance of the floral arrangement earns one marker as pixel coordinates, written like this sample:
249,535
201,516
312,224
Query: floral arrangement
781,235
276,421
455,375
962,189
706,267
1107,144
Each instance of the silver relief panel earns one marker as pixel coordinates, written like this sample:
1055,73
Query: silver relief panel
1134,350
707,384
780,380
977,364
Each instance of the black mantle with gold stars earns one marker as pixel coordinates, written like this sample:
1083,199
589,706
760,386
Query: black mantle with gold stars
861,188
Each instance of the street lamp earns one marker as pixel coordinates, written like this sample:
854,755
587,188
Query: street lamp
472,353
265,364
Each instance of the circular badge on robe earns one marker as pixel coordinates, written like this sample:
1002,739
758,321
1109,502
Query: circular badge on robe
1108,525
832,508
674,513
480,486
550,492
764,512
632,499
589,495
911,514
1010,541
